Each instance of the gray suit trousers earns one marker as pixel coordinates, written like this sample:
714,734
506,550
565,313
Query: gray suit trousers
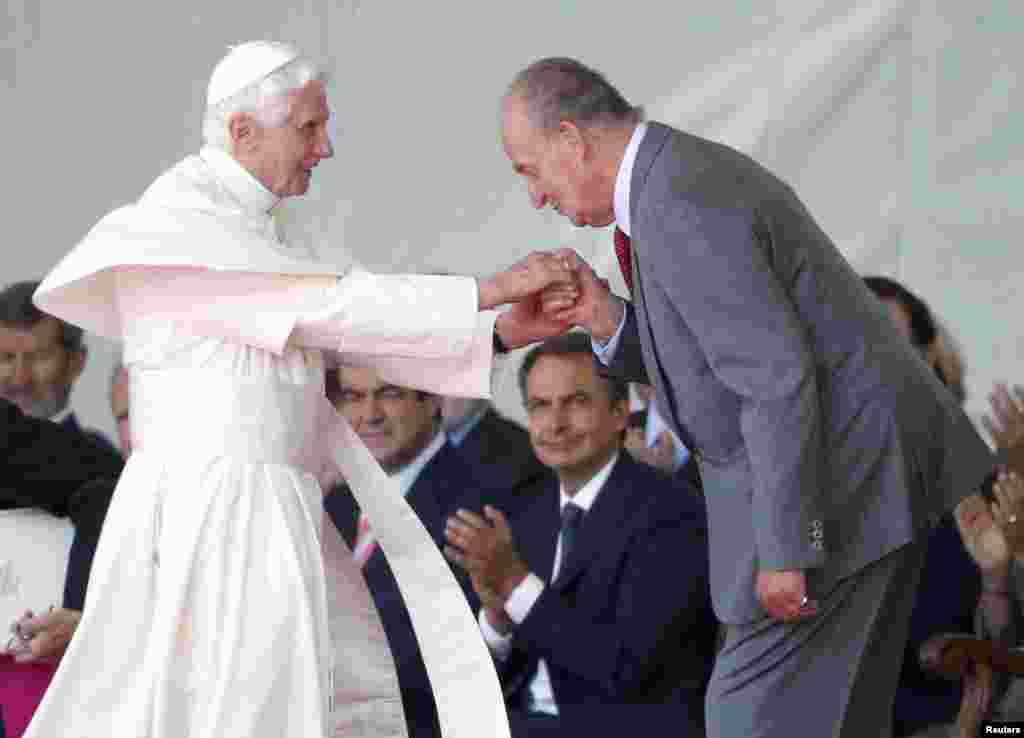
830,676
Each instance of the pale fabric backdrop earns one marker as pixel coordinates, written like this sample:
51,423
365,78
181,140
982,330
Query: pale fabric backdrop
897,122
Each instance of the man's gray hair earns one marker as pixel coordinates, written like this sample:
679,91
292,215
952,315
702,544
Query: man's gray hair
560,89
266,99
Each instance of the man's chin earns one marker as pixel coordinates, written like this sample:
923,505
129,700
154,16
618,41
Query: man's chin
581,221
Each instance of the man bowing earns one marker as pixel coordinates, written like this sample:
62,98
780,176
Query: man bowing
827,447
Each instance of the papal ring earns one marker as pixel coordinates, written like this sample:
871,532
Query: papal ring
1012,519
803,602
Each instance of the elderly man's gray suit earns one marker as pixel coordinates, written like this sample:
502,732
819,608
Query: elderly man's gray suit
826,444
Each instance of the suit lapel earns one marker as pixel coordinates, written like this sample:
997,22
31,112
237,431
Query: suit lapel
343,510
599,525
654,141
650,147
431,495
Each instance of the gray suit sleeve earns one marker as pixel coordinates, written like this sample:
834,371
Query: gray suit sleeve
628,361
715,272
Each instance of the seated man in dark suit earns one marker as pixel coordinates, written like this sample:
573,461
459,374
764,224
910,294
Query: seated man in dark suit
63,471
595,599
48,466
43,464
41,358
498,449
402,429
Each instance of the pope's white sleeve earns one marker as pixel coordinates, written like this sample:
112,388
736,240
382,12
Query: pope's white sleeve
419,331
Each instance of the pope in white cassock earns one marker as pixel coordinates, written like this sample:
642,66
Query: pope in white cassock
219,602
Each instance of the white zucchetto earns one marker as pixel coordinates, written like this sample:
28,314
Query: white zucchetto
244,65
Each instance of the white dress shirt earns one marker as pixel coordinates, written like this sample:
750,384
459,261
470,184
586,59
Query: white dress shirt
524,596
458,434
409,473
623,183
61,415
653,429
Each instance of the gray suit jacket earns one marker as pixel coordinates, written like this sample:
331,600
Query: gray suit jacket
825,441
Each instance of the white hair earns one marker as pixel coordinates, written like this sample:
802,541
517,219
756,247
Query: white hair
267,99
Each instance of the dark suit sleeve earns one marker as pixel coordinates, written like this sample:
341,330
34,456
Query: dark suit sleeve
628,362
713,266
663,593
88,510
43,465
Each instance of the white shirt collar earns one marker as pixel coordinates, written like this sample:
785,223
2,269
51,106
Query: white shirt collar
458,434
624,179
245,188
62,415
408,474
588,492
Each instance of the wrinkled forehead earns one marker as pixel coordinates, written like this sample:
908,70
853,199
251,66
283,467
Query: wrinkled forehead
358,378
41,334
518,134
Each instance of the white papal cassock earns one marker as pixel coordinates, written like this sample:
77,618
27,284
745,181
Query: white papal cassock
220,603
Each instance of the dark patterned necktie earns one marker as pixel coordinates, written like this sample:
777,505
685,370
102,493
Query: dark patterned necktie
572,516
622,251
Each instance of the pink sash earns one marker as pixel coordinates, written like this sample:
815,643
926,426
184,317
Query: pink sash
22,687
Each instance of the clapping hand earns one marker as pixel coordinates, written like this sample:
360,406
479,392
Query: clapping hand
483,546
983,537
1006,424
1008,509
43,637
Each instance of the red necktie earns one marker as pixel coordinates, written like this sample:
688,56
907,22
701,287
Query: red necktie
622,251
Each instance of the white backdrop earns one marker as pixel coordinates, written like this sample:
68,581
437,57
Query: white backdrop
897,122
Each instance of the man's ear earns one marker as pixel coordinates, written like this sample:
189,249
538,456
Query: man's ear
620,410
434,401
571,137
76,364
243,130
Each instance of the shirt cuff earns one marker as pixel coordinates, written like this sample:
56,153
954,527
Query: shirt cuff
605,352
499,644
523,597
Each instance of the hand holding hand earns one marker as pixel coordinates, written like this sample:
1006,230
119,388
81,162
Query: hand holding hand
484,548
783,594
596,309
526,278
529,321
